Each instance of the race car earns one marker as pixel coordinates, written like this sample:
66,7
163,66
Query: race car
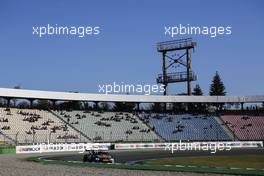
98,156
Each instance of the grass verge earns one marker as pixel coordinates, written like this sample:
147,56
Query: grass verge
157,165
10,149
245,161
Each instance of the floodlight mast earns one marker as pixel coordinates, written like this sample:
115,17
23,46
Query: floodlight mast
186,76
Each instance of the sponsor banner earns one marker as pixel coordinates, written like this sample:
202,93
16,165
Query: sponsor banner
61,147
238,144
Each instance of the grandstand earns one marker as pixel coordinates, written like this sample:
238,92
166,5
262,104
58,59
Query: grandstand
187,127
245,127
38,126
109,126
34,126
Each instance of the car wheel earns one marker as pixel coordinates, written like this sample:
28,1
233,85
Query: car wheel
85,158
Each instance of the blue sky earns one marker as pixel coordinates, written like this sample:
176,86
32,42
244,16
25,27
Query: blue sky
125,49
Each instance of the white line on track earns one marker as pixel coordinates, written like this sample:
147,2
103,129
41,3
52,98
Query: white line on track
179,166
192,166
233,168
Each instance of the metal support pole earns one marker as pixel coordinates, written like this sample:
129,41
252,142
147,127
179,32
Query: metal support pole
8,102
188,59
31,102
53,103
165,82
164,72
242,106
137,108
96,105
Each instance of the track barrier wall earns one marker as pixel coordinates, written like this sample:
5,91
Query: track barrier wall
81,147
61,147
237,144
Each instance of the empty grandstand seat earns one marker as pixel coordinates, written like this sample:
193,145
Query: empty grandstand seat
109,126
245,127
35,126
187,127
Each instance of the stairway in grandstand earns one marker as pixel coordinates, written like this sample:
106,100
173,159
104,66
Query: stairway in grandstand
6,139
61,118
143,122
223,125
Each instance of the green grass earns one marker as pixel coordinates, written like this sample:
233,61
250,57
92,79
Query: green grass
170,165
245,161
7,150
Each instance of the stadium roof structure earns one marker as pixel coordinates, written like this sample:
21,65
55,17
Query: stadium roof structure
69,96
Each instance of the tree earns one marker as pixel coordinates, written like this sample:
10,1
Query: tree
2,102
15,100
156,107
124,106
43,104
217,86
104,106
197,90
23,104
70,105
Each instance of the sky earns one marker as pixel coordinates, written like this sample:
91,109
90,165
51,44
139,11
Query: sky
125,50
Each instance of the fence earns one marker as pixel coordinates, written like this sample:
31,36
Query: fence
18,138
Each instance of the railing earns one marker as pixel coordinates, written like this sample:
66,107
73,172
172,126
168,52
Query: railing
22,138
7,139
176,77
176,44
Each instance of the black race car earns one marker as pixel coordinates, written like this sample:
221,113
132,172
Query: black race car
98,156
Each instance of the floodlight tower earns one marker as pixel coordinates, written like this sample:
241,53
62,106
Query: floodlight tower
174,51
